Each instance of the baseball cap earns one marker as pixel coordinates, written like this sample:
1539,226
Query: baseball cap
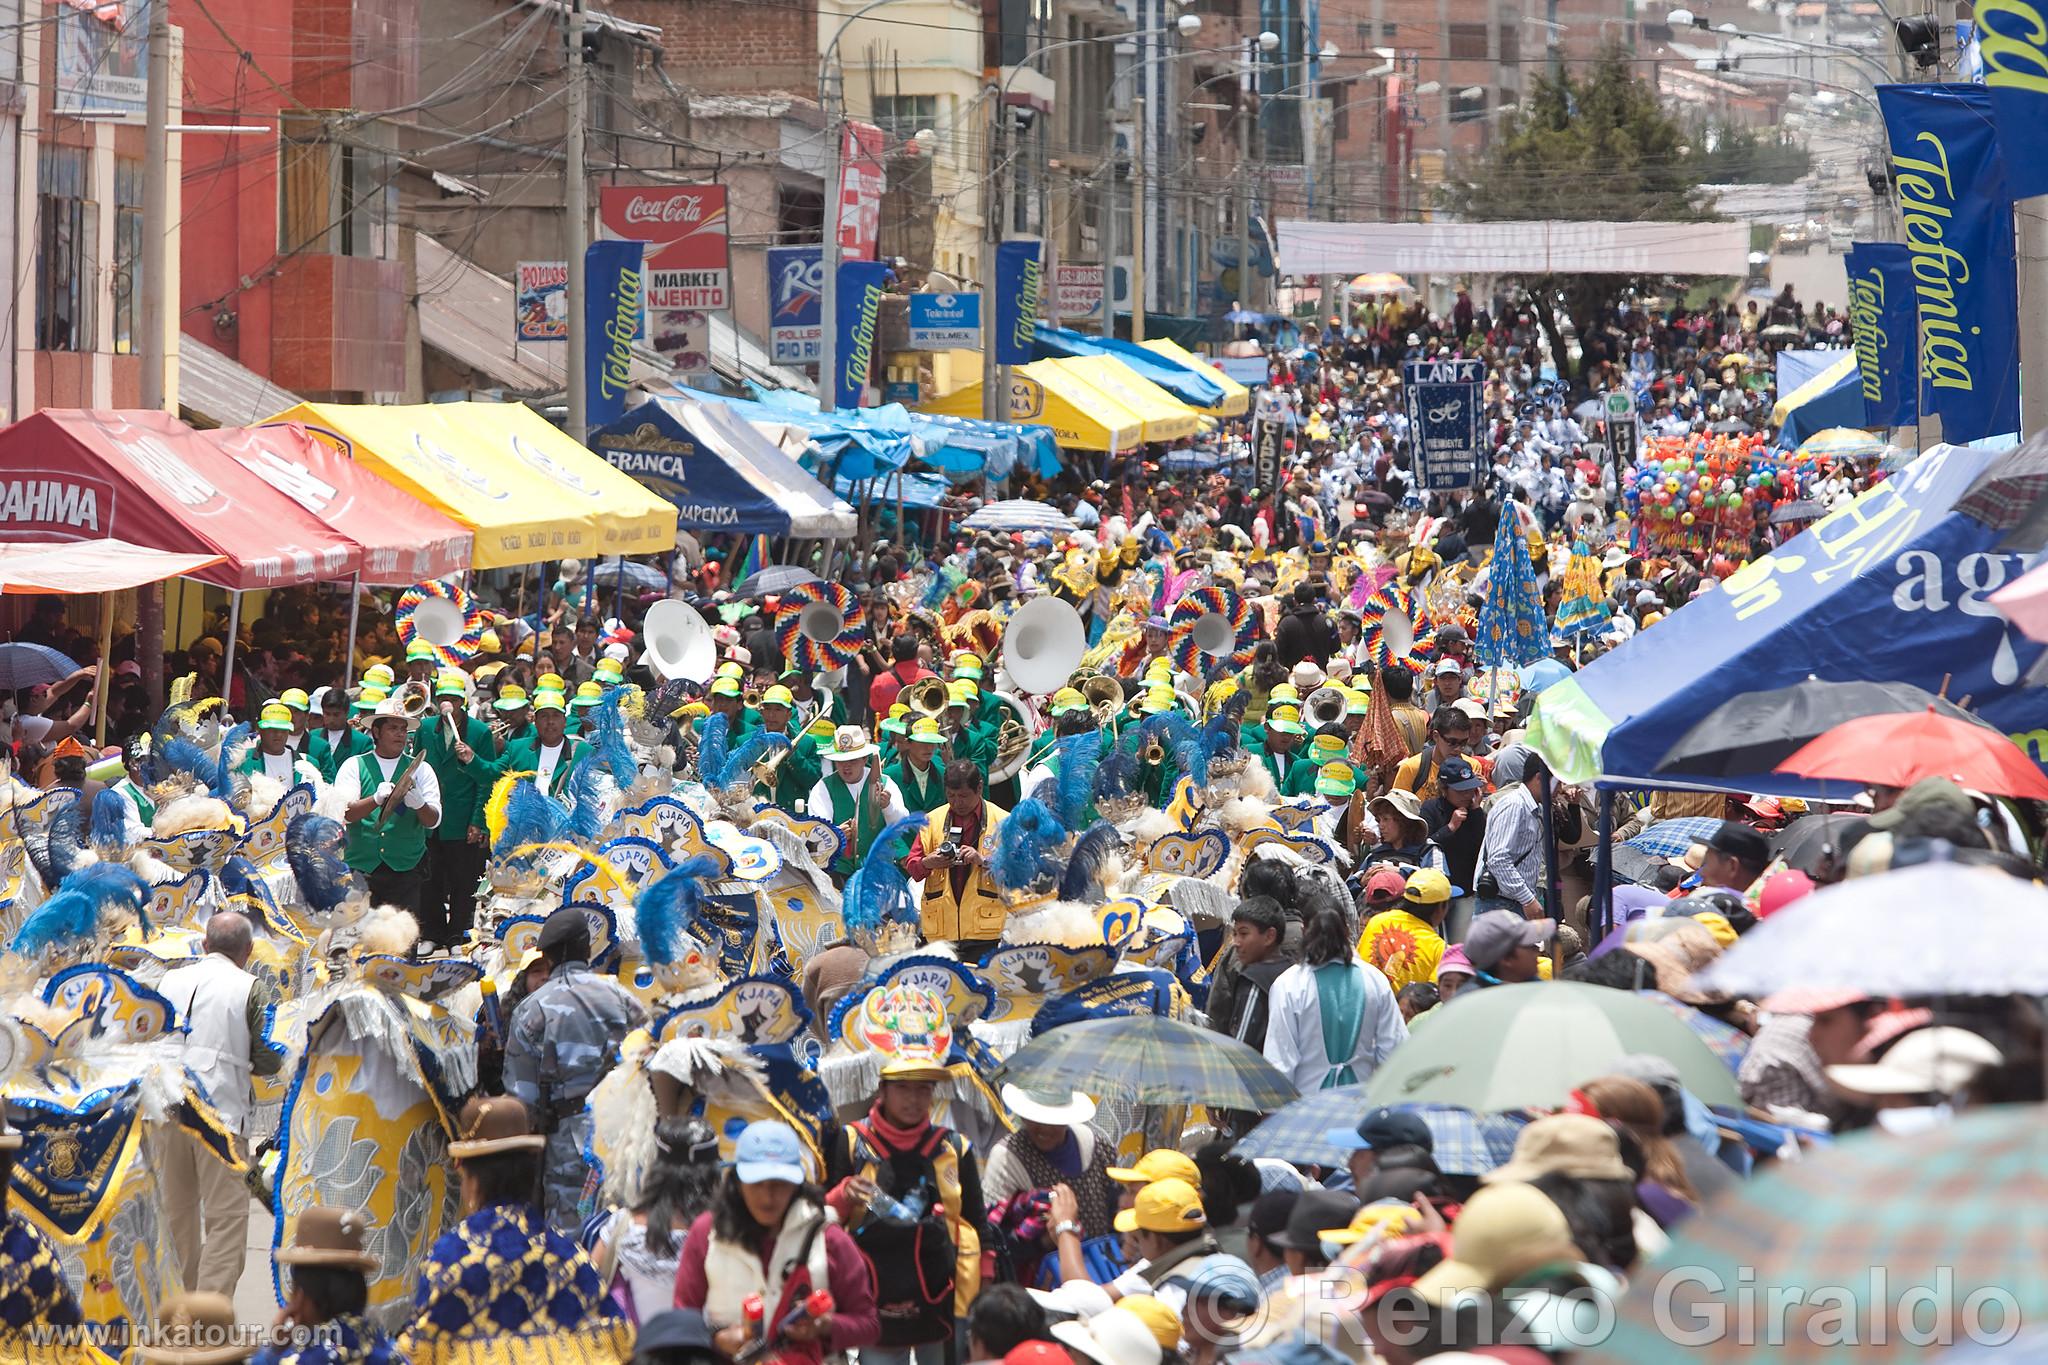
1226,1282
1495,934
1270,1210
1457,775
1170,1205
1739,841
1161,1163
1927,1061
1382,1128
1159,1319
1926,796
1314,1211
1428,887
768,1150
1444,666
1385,885
1502,1231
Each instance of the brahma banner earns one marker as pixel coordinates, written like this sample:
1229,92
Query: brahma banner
688,261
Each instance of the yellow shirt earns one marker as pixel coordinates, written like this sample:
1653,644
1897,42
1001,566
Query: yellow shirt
1404,947
1411,768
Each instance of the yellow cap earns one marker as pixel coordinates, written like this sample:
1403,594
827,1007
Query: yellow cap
1068,699
510,698
1160,1163
730,669
961,692
276,716
488,642
367,699
1336,779
611,670
1395,1218
1157,699
419,649
1161,1321
549,700
1285,720
1356,703
588,694
1325,749
1170,1205
379,675
778,695
451,683
725,687
925,730
1286,692
966,664
296,698
1161,667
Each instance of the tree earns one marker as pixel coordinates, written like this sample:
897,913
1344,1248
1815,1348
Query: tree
1730,154
1590,145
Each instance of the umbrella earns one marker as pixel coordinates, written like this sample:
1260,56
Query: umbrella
1541,674
1810,838
1873,1235
1144,1059
1753,732
1840,443
2024,602
1465,1143
1381,282
1019,514
1780,331
1634,865
775,579
1804,509
1528,1046
25,665
1899,750
1896,933
1589,410
640,577
1673,838
1725,1041
2008,496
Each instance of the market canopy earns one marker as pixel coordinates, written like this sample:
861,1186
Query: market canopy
1162,416
404,541
95,566
1237,399
1080,416
1182,382
526,490
717,472
146,478
1817,397
1890,588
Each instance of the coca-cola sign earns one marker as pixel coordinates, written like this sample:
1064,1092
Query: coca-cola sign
687,260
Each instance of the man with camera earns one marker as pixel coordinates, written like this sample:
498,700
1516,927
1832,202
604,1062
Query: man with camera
961,903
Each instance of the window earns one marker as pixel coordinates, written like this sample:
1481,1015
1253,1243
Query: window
1468,42
67,247
900,117
1510,44
127,253
336,197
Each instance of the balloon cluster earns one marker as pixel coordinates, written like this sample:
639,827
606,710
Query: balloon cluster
1702,494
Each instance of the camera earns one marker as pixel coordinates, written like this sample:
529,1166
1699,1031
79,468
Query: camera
949,851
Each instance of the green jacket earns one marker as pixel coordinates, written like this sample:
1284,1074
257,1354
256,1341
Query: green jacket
325,758
464,786
797,774
918,797
1301,778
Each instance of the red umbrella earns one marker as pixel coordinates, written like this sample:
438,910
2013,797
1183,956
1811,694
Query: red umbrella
1898,750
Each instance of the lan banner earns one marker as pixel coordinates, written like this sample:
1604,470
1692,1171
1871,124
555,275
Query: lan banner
1017,289
1881,314
1444,421
1957,213
2012,48
859,320
612,304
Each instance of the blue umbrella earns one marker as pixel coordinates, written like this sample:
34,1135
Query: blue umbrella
776,578
25,665
1671,838
1541,674
1465,1143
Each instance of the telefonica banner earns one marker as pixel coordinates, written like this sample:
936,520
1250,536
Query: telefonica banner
1316,248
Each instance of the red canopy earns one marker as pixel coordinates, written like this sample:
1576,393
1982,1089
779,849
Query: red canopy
97,566
404,540
148,479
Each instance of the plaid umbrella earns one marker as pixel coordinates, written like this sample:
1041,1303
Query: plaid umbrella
1725,1041
1465,1143
1469,1143
1511,623
1144,1059
1874,1234
776,578
1019,514
1671,838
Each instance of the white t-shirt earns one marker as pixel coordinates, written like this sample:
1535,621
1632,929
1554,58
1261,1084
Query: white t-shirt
547,759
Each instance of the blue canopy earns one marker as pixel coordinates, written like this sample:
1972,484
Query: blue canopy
864,443
721,474
1817,390
921,491
1192,387
1890,588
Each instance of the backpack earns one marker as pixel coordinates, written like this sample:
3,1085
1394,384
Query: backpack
914,1263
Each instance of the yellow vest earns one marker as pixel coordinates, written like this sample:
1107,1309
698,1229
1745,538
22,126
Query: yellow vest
979,912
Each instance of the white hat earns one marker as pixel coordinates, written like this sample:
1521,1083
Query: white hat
1444,666
1063,1109
1307,674
1614,558
1927,1061
391,708
849,742
1074,1299
615,652
1116,1336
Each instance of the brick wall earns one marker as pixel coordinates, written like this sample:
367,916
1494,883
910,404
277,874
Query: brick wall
716,47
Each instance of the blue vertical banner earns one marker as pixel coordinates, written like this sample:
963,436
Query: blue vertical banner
796,283
1957,214
859,324
1444,421
2010,55
612,308
1882,319
1018,282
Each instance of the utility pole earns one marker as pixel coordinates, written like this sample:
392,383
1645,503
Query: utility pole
158,335
1137,219
829,254
995,199
576,208
1244,198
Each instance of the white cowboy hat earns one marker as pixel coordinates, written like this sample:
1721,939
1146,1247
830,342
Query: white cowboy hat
1057,1109
849,742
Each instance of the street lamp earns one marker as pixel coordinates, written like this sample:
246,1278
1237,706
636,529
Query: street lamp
1268,41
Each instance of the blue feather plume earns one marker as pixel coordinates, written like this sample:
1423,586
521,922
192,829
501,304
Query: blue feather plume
586,795
315,847
76,912
1078,756
58,848
712,747
111,817
878,890
664,912
234,747
1082,880
1027,846
177,754
1116,776
531,817
604,726
757,747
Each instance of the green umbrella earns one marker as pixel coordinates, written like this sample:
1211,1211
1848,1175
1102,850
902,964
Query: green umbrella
1518,1047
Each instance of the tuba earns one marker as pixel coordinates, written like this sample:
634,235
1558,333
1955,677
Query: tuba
1104,695
1043,644
678,644
820,621
926,698
1013,739
1324,706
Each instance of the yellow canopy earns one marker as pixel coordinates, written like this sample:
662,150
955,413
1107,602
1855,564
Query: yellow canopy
1165,417
526,490
1081,417
1237,399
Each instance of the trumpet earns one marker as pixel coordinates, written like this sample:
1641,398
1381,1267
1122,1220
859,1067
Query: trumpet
750,697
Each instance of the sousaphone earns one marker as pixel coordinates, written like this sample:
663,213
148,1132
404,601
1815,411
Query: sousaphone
1043,644
677,642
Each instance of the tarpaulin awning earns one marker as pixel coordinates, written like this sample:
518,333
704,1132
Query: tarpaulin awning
922,491
146,478
1197,390
1162,416
1832,397
93,566
1237,399
1080,416
1888,589
404,541
860,444
719,473
526,490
